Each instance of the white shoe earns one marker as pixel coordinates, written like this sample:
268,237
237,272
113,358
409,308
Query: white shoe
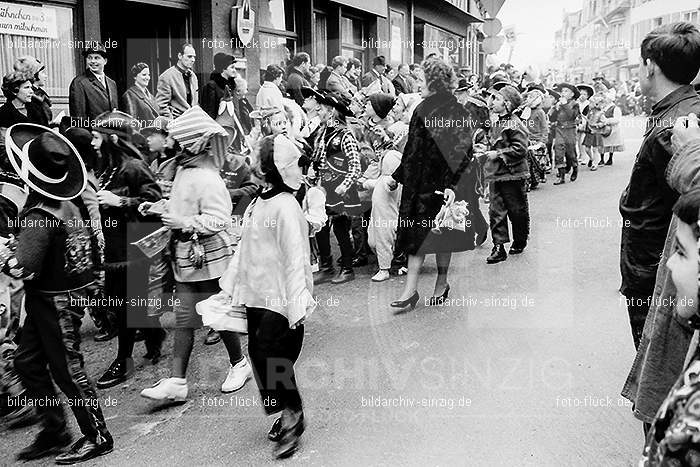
403,271
167,388
237,376
381,276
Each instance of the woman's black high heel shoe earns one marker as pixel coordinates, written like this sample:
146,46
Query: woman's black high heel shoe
410,301
440,299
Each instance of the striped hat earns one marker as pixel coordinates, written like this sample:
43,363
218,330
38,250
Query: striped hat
194,129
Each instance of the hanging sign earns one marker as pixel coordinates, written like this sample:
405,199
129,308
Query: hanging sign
245,22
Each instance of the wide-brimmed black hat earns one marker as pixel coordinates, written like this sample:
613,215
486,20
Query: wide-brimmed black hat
158,125
95,49
338,102
553,93
573,89
306,91
46,161
535,86
463,85
116,122
586,87
499,84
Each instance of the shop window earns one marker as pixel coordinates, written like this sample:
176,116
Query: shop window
352,37
396,35
318,47
277,32
55,52
275,50
276,14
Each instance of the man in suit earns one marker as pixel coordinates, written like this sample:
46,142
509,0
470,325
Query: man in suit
403,82
377,73
297,76
177,86
92,92
337,82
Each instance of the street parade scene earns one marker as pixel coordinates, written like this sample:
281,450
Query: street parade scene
350,232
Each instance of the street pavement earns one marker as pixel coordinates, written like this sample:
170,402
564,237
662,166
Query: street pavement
522,366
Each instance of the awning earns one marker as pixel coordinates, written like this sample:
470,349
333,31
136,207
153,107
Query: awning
445,16
182,4
376,7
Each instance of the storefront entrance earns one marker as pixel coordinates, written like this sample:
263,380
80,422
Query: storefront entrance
145,33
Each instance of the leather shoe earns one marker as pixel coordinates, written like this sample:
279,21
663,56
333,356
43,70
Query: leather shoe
118,372
289,441
44,444
344,275
498,254
85,449
213,337
275,433
105,335
517,248
323,276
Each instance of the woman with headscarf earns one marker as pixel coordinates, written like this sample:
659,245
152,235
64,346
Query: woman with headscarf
436,169
270,275
198,214
138,101
125,181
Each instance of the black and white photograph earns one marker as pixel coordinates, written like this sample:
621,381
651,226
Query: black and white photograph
350,233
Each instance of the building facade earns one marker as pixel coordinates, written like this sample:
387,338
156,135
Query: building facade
606,35
150,31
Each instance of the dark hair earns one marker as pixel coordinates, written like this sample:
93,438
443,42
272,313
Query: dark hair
413,66
353,62
675,48
272,72
323,78
338,60
687,208
265,168
183,46
378,60
138,68
301,57
12,81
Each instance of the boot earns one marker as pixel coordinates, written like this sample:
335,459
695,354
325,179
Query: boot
610,159
574,174
498,254
601,162
560,177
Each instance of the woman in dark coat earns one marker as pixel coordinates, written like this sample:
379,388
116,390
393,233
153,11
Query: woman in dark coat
138,101
18,90
39,109
436,167
125,181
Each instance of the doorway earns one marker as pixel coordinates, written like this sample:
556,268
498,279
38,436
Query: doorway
145,33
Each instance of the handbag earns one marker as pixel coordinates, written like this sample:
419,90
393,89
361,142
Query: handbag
451,217
219,313
197,254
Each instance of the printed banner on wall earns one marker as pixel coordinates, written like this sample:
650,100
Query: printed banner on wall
24,20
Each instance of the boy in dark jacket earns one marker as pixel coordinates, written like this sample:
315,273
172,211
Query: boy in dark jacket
55,256
506,171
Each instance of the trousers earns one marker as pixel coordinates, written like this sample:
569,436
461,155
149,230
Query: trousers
341,225
273,350
51,338
509,201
